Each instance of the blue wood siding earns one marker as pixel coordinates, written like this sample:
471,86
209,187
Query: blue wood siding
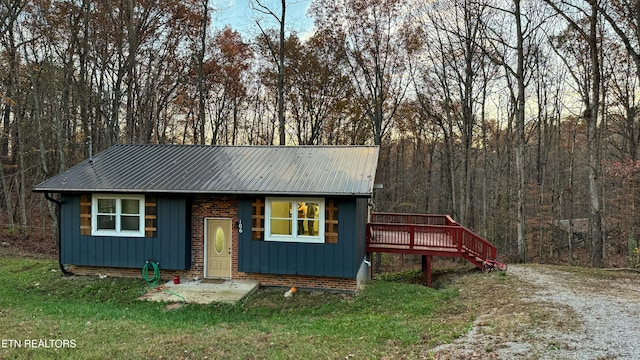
336,260
171,246
362,217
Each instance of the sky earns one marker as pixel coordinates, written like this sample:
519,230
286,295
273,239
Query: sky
239,15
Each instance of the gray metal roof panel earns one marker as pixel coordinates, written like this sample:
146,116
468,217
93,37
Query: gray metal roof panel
310,170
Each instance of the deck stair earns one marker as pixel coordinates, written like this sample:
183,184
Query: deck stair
427,235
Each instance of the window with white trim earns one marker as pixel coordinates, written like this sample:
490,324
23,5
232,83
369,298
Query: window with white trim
294,219
117,215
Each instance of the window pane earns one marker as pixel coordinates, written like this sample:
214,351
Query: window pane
107,206
130,223
130,206
312,216
106,222
280,227
281,209
312,210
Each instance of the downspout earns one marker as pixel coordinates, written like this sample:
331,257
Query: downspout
58,203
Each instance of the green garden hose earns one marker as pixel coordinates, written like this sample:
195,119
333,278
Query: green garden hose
153,280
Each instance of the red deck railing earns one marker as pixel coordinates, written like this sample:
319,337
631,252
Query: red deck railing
415,219
426,234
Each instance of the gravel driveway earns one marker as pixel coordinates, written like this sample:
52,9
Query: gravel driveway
578,317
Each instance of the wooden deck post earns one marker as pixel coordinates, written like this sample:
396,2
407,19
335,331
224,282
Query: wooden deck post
426,269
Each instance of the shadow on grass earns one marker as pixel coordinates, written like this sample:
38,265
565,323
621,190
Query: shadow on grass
440,278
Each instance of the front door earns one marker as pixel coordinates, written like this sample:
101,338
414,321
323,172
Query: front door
218,244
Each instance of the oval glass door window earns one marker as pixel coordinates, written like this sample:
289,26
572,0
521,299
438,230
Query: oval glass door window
219,241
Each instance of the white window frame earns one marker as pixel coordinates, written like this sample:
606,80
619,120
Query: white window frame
118,214
294,237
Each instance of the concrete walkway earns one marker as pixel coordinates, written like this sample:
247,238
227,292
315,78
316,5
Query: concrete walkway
198,292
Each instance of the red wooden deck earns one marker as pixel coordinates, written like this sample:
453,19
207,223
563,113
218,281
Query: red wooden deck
426,235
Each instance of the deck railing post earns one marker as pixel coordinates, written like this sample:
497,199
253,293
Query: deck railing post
426,269
368,231
412,236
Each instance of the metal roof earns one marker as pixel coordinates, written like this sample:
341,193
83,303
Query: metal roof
198,169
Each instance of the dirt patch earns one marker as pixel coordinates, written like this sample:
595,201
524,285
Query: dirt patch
540,312
27,245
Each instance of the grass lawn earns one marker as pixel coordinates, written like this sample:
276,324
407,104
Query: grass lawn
103,320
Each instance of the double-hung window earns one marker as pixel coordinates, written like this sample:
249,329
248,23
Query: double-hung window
117,215
294,220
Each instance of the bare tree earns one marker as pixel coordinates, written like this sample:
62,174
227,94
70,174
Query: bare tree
587,29
519,43
10,11
455,61
278,55
10,14
200,55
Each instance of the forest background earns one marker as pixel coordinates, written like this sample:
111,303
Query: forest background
520,119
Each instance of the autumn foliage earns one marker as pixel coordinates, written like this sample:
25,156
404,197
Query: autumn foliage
487,116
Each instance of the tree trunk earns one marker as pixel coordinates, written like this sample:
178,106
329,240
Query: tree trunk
201,86
281,117
593,141
520,150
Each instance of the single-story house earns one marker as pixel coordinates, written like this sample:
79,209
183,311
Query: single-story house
281,215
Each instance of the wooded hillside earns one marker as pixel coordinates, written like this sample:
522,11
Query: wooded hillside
518,118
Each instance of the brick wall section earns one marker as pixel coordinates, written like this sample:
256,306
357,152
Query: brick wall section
223,207
212,207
